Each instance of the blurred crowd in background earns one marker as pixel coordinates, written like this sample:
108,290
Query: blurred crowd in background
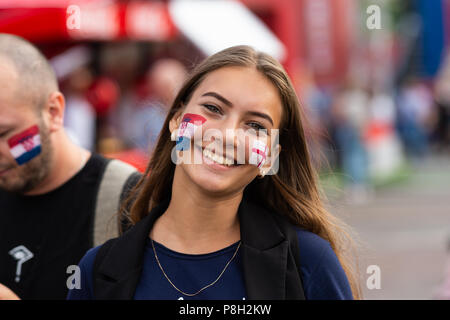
377,98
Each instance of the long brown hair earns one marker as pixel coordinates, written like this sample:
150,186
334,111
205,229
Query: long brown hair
293,191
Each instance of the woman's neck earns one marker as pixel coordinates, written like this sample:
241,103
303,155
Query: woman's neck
196,222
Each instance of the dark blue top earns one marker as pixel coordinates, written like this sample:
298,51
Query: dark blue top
322,274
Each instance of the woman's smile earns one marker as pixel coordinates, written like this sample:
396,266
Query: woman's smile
214,160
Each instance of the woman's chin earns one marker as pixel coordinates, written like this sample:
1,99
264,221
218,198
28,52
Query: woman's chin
212,183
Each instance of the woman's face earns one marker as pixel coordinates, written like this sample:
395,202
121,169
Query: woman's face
229,99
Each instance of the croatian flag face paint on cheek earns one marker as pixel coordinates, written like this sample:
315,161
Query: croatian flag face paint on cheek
26,145
258,153
189,124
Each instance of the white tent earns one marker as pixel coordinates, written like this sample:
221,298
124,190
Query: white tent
213,25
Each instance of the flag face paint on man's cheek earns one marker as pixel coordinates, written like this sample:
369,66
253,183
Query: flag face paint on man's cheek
25,145
189,124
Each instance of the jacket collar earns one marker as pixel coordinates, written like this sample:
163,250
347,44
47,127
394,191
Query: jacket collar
264,250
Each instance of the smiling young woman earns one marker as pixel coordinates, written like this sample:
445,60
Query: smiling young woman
221,229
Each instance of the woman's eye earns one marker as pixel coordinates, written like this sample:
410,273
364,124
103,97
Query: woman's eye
3,134
212,108
256,126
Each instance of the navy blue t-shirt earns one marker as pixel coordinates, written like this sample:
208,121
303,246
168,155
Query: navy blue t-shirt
322,274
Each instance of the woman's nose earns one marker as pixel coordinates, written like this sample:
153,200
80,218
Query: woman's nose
224,135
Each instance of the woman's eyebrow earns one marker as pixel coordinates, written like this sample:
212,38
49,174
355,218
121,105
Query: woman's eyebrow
262,115
218,97
228,103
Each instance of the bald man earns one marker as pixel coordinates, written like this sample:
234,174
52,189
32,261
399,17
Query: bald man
49,187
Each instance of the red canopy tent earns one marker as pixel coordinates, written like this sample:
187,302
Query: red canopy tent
62,20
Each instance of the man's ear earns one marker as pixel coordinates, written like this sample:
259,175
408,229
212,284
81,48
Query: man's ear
54,111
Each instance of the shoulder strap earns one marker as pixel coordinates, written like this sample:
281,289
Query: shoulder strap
108,200
124,219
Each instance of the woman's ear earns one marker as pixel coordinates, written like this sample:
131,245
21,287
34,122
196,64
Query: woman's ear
174,124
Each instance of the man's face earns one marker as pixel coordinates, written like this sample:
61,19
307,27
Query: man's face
17,115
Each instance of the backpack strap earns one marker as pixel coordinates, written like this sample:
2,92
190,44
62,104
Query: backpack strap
110,192
124,219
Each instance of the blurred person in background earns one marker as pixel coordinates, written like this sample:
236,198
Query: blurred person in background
350,117
317,104
442,105
384,149
137,121
163,80
414,109
121,62
80,116
75,76
57,199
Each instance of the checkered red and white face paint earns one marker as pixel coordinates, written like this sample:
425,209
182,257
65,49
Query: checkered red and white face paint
189,124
